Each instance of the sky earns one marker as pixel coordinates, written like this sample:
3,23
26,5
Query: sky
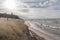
32,8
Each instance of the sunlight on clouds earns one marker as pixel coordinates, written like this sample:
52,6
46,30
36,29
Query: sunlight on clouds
44,9
46,12
10,4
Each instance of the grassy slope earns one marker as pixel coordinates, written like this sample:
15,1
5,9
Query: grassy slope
12,29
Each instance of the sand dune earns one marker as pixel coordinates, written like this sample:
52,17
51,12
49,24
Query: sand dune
12,29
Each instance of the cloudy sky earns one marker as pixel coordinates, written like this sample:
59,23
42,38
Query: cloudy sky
32,8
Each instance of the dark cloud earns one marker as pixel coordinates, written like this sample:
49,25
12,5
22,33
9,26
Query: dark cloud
42,3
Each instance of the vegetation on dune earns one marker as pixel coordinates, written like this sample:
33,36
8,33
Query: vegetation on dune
14,29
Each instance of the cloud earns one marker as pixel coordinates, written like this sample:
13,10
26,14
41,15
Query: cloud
50,4
40,13
42,9
38,9
45,3
44,13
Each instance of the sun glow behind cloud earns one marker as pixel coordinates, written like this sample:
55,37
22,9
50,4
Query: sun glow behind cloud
10,4
43,9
